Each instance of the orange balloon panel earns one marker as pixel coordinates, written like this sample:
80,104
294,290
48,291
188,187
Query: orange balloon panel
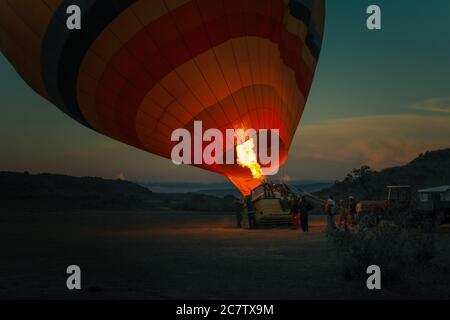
139,69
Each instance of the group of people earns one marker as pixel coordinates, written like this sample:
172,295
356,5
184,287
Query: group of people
346,212
248,205
299,210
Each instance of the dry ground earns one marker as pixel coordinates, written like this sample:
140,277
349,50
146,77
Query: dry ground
182,255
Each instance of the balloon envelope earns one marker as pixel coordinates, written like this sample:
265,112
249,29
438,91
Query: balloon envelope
139,69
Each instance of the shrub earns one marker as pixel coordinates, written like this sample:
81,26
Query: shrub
397,248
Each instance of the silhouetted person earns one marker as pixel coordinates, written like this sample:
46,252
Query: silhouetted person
239,207
351,209
303,207
251,212
330,207
294,213
342,215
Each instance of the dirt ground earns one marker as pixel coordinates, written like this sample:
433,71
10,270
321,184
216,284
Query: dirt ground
142,255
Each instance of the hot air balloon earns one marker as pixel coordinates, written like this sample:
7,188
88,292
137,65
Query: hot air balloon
139,69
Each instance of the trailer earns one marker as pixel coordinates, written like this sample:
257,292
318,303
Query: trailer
436,201
271,205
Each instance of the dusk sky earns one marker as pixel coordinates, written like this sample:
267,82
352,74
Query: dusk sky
379,98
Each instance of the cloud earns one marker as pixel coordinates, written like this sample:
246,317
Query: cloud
435,105
332,148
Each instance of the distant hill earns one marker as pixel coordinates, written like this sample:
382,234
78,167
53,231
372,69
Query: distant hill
220,192
42,191
429,169
312,186
308,187
222,189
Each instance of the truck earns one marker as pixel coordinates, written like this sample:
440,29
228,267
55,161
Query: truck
370,212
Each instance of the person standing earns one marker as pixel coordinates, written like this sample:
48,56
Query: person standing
351,209
239,207
251,212
329,210
303,208
294,213
342,215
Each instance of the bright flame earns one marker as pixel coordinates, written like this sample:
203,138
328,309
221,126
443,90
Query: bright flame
246,158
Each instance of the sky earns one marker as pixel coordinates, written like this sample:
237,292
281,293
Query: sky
379,98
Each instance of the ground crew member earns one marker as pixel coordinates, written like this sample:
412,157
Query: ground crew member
351,209
251,212
239,207
294,213
303,208
329,210
342,215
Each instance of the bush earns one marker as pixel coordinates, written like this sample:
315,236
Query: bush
395,248
410,217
